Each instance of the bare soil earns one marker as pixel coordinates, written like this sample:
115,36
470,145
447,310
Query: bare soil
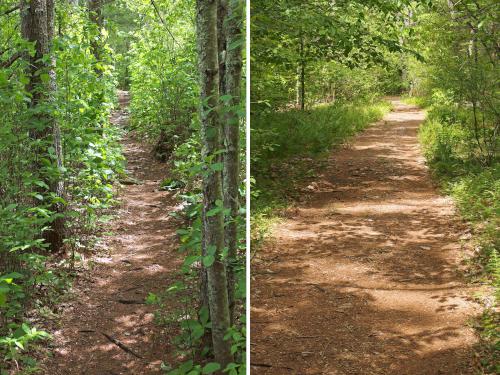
364,278
107,316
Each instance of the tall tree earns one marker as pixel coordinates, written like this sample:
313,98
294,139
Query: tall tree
232,26
37,26
213,219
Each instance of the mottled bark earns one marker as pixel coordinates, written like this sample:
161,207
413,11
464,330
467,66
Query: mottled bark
37,25
213,223
221,43
231,172
95,14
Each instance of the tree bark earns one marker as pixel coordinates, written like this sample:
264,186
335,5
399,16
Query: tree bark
231,170
95,14
301,76
37,25
213,220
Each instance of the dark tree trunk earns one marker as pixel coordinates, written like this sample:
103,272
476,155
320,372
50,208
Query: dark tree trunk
37,25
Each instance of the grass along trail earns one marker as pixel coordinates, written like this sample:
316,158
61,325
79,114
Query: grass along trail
364,277
107,329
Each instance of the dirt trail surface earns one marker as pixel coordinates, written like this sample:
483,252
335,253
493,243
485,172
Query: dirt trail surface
364,277
139,257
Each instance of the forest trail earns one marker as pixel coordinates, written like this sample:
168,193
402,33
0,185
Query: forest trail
363,278
137,258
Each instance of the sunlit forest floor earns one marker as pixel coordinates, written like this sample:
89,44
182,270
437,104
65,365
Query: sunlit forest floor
107,328
364,275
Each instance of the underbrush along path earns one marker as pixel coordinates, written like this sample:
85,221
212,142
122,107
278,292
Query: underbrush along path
106,328
364,278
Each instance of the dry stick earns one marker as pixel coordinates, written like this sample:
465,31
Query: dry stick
269,366
131,302
260,364
121,345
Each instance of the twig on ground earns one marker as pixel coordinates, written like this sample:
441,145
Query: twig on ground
130,302
121,345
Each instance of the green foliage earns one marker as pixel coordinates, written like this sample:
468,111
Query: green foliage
285,134
163,74
195,325
347,49
18,339
460,73
81,106
452,153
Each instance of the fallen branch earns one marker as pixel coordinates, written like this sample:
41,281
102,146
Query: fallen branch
260,364
121,345
130,181
11,10
130,302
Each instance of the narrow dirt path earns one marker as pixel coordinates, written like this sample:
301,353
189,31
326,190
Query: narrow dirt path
139,257
363,279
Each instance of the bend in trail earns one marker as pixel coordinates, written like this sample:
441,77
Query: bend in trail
107,329
363,279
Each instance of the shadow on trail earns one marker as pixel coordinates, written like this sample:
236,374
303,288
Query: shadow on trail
363,278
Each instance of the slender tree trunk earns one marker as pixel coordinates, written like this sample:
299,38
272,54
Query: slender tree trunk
213,220
231,171
302,85
302,76
37,25
221,50
57,186
95,14
298,91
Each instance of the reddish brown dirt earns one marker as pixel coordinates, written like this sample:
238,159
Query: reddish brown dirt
364,277
139,257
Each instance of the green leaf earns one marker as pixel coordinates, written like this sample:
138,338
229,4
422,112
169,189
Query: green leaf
211,250
214,211
19,344
208,260
45,77
217,167
38,196
211,367
191,259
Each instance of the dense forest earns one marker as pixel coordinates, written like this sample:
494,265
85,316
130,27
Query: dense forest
75,155
322,72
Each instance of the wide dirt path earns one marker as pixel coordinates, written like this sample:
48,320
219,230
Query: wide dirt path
363,279
138,257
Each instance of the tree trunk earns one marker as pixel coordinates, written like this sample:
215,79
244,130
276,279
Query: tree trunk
37,25
301,93
95,14
231,171
302,85
213,220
